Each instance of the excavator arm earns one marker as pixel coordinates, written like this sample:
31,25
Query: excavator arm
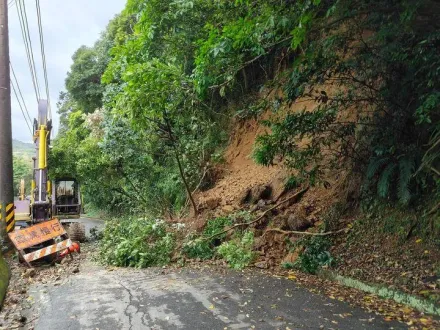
41,205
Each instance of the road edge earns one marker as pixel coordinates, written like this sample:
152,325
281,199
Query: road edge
417,303
4,279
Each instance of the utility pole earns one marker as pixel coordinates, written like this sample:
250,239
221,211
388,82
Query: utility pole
7,221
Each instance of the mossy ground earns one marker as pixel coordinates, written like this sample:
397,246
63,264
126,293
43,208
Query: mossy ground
4,278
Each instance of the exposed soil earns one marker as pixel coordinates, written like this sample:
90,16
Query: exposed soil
410,265
240,173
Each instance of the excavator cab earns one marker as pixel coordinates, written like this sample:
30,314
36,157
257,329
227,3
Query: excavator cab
66,198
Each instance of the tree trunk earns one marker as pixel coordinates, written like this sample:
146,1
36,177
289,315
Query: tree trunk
182,174
179,164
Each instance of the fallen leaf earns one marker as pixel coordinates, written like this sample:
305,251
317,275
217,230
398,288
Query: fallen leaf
425,321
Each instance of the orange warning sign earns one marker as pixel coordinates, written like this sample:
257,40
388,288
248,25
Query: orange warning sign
36,234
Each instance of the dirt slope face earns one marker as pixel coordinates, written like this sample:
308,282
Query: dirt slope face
240,173
368,250
245,183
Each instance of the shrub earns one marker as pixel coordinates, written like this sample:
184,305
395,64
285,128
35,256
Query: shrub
141,242
202,247
96,234
238,252
315,255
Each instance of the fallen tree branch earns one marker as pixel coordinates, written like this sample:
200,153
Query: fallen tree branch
434,170
298,194
434,209
289,232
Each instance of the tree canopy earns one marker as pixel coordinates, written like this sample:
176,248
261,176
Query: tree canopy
147,109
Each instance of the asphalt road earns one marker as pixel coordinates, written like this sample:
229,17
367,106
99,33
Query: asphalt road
99,298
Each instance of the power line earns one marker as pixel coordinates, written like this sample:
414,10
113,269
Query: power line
21,108
43,55
11,3
19,91
21,11
30,48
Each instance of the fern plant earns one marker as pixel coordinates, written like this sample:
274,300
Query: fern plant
388,171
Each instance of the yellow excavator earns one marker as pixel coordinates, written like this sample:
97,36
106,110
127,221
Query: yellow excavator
39,232
59,198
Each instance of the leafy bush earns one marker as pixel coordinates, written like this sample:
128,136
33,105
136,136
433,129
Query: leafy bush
292,183
388,171
315,255
96,234
238,252
198,247
203,247
138,242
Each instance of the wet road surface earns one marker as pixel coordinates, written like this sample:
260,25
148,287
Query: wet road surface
99,298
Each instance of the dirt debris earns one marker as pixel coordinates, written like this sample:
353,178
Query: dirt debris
243,180
18,301
410,266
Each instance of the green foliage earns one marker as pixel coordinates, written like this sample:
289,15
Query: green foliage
385,77
387,220
22,170
384,180
130,242
241,35
389,172
85,75
286,137
202,246
198,247
238,252
315,255
145,111
292,182
152,139
215,226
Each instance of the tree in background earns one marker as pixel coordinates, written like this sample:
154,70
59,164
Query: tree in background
22,170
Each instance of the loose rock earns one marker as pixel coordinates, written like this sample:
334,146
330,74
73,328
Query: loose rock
297,222
30,272
262,265
228,209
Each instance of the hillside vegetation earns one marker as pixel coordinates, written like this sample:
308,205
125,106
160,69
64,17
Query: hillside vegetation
341,95
146,109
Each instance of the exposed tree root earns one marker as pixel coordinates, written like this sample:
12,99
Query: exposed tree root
297,195
434,209
290,232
